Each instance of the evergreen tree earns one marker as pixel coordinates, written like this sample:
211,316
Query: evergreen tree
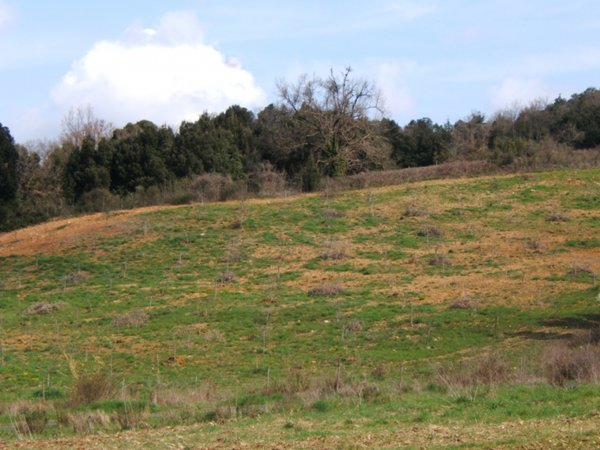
9,157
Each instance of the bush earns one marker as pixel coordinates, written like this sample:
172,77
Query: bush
326,289
429,231
42,307
91,387
132,319
97,200
226,277
564,364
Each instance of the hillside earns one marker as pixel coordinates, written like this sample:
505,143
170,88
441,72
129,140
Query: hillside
322,316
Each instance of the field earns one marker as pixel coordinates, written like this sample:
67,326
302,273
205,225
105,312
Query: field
432,314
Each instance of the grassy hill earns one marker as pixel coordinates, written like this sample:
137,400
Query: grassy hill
313,320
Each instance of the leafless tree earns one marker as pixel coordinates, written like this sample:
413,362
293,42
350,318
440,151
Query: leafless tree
81,122
335,118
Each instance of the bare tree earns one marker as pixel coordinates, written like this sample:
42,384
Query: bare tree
81,122
334,117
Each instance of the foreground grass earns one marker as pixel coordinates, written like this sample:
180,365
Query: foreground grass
362,290
524,417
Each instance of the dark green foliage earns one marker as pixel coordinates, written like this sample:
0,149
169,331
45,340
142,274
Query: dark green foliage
8,166
421,142
139,156
87,169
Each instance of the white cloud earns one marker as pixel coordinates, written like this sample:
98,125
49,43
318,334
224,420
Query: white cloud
518,92
398,99
7,15
165,74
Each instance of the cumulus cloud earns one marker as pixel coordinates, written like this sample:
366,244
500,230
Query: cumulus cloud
518,92
165,74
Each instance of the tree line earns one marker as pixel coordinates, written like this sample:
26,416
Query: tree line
321,127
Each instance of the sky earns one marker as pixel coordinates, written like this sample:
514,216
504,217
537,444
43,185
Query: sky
169,61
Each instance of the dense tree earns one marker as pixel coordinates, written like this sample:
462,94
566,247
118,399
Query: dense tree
139,156
8,166
209,147
425,144
87,169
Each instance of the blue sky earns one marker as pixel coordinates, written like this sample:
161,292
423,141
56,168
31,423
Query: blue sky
167,61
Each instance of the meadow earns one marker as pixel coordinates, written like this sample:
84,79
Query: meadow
439,313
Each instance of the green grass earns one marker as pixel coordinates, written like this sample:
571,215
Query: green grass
394,312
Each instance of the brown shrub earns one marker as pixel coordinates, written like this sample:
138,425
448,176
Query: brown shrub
563,364
268,182
226,277
557,217
440,260
233,253
533,244
85,422
131,415
331,213
464,302
429,231
353,326
91,387
466,378
334,251
580,269
132,319
29,418
413,211
326,288
42,307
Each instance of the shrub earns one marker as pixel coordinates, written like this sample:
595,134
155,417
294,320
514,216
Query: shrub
131,415
213,186
84,422
557,217
331,213
429,231
413,211
132,319
564,364
440,260
42,307
226,277
326,288
579,269
464,302
91,387
334,251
